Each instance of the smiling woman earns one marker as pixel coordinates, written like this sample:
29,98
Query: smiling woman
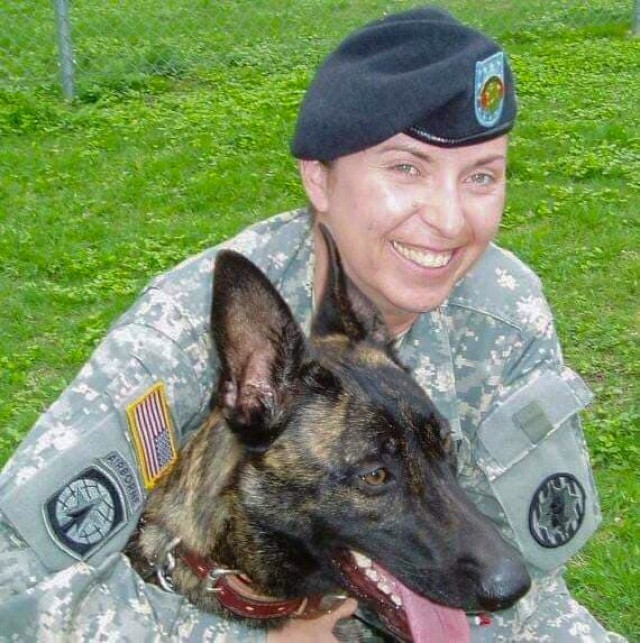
415,218
402,141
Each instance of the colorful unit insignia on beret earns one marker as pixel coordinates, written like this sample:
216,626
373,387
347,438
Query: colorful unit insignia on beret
153,434
489,89
85,512
557,510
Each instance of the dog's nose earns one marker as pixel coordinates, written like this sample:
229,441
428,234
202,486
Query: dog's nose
508,581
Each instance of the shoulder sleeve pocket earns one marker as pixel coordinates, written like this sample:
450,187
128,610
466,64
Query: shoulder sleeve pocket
532,451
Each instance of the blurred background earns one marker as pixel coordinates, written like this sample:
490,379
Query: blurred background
96,44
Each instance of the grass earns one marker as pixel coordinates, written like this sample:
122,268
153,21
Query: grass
178,142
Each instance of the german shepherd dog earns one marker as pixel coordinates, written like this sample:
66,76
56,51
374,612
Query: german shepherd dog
323,468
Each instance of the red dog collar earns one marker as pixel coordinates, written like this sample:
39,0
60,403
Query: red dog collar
234,591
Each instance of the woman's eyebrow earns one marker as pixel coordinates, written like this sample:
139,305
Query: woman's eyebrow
487,160
484,160
408,149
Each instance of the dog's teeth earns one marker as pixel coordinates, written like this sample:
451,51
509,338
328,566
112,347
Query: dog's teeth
383,587
396,600
361,560
372,574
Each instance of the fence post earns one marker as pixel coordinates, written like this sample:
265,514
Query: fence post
65,48
635,26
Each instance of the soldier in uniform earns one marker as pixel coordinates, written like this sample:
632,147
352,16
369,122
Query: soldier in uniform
402,140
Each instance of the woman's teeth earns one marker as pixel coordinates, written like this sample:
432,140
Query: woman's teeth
424,258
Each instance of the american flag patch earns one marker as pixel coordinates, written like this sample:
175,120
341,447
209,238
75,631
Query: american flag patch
153,434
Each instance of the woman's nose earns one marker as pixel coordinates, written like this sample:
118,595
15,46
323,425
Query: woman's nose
443,211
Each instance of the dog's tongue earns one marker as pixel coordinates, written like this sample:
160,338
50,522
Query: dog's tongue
430,622
433,623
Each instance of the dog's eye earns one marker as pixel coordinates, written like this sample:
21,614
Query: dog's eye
377,477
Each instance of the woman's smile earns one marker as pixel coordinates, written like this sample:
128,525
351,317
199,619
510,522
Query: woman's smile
422,257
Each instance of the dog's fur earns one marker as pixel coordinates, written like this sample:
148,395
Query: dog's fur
317,447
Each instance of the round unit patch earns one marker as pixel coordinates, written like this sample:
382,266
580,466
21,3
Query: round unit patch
85,512
557,510
491,95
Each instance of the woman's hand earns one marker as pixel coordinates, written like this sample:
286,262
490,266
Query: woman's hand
314,630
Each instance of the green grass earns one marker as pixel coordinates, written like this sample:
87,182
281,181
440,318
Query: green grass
177,142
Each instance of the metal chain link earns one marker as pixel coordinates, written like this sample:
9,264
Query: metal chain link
67,43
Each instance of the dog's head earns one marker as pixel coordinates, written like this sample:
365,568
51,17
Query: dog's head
348,472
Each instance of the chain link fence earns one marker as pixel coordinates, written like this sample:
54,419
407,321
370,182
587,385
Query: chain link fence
73,45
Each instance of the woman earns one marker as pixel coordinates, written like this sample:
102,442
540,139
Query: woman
402,141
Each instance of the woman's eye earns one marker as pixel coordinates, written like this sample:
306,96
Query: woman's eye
406,168
377,477
482,179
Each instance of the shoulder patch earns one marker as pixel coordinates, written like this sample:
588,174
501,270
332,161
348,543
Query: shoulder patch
557,510
85,512
126,475
153,434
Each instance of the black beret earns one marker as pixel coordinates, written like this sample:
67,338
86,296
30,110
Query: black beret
421,72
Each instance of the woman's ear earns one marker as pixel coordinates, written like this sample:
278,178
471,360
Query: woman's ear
315,179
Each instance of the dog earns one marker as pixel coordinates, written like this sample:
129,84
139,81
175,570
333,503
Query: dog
322,468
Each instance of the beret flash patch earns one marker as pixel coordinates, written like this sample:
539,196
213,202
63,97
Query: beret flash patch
557,510
489,89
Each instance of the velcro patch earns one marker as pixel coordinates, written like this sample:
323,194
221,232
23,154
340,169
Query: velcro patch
153,434
533,421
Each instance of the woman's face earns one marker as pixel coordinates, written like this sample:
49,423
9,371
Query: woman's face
409,218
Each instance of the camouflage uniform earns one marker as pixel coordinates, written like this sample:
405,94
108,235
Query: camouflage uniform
489,357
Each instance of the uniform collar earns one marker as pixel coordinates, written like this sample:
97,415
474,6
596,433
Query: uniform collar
426,351
424,348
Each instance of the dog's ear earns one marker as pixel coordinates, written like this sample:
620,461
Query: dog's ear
260,347
344,309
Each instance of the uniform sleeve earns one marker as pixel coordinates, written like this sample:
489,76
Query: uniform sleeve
548,614
85,602
561,619
72,493
538,486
